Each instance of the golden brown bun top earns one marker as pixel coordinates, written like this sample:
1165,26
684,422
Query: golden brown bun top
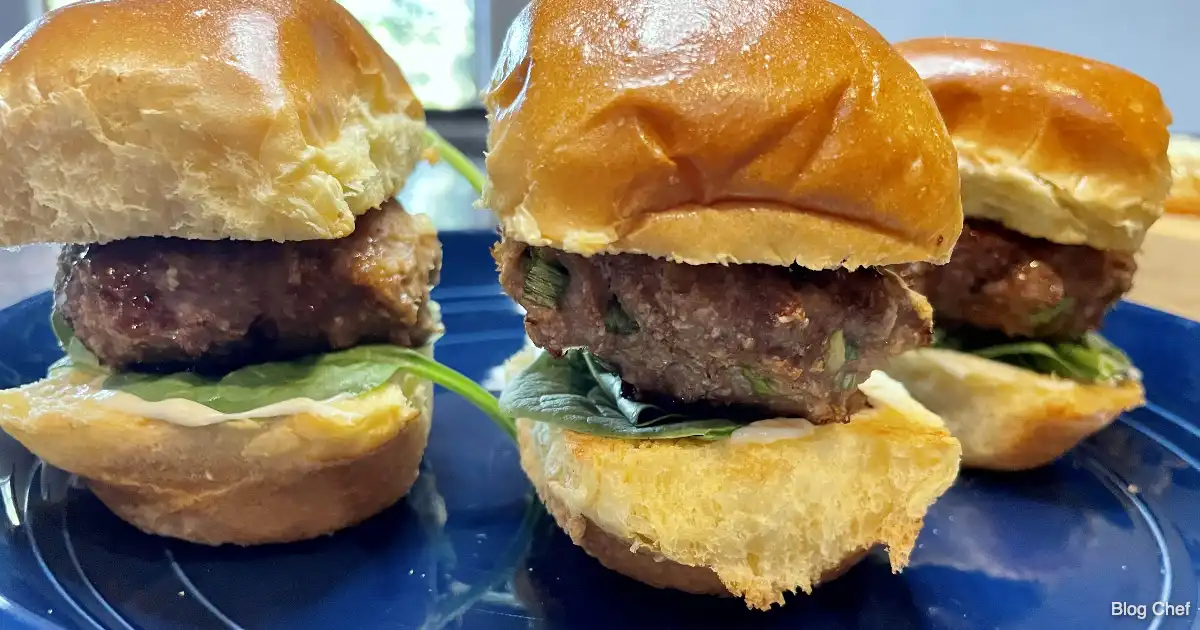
1077,148
249,119
778,132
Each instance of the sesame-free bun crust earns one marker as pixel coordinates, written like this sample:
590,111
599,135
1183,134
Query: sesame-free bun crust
751,518
244,482
1052,145
1006,417
204,119
1185,169
634,561
774,132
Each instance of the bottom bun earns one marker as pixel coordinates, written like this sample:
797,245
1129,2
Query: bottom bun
630,560
756,515
1009,418
243,482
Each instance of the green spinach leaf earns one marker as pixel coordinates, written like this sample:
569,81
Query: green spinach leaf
1088,359
353,372
579,393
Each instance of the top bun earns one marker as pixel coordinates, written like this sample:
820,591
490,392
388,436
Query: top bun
203,119
1052,145
776,132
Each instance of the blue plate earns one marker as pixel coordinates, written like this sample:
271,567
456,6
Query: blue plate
1117,520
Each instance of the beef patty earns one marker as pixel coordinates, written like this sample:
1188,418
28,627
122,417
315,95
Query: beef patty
788,341
169,303
1023,286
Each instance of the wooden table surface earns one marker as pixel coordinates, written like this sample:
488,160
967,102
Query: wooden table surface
1168,276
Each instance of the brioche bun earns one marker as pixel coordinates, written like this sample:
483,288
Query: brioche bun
1006,417
1185,169
201,119
705,132
244,482
636,562
1049,144
747,516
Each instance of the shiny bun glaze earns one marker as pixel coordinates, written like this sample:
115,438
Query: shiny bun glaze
1050,144
203,119
777,132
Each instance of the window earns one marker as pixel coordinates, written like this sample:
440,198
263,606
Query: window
434,41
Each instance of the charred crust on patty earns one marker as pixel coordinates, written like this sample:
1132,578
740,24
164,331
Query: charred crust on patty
1000,279
783,340
164,304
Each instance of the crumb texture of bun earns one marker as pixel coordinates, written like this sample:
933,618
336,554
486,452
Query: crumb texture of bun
777,132
1185,169
243,482
1006,417
753,518
1052,145
636,562
204,119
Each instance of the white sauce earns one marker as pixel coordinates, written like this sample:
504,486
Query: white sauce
187,413
775,429
885,391
882,391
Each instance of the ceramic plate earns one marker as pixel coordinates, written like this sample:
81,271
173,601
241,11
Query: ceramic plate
1116,521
